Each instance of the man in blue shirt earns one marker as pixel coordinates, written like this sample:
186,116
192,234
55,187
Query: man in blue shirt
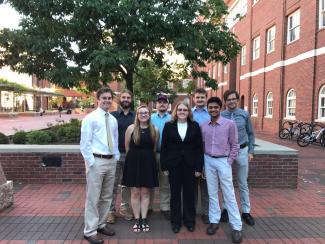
159,119
201,115
246,140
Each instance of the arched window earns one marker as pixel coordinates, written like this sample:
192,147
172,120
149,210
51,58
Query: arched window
291,104
255,105
321,103
269,104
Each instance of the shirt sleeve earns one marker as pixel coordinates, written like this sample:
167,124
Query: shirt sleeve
85,142
233,141
250,134
116,151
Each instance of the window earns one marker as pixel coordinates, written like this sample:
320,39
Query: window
321,13
236,11
270,39
256,48
243,55
269,104
321,103
255,106
170,85
219,69
225,69
294,26
255,1
214,71
291,104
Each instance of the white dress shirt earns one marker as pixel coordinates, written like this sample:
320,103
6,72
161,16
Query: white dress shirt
182,128
94,138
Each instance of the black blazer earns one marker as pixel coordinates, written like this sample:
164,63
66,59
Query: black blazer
174,150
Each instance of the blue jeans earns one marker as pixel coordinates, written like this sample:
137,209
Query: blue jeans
218,169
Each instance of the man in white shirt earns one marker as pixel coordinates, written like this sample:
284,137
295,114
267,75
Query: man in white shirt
99,147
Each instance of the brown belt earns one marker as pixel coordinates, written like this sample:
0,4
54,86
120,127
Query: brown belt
102,156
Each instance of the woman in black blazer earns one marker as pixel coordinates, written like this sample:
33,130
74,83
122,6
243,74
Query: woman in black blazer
181,158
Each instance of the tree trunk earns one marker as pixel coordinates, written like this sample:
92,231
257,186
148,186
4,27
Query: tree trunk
129,80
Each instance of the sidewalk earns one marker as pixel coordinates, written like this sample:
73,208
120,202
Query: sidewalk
54,213
9,126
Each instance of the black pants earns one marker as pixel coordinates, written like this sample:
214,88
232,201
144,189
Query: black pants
182,180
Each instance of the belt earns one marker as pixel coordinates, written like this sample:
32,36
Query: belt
218,156
245,144
102,156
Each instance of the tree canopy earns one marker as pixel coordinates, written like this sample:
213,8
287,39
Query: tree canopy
67,41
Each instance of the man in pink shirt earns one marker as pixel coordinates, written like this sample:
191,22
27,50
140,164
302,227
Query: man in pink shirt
221,147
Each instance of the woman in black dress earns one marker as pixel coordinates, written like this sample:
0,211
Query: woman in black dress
181,157
140,170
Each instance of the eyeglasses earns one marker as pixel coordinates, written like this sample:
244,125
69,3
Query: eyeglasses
182,110
231,99
106,98
143,113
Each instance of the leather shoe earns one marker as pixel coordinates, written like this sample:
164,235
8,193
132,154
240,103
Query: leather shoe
175,228
248,219
224,216
190,228
166,214
212,229
237,236
106,231
94,239
205,219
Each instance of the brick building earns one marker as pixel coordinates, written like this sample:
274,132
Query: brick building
280,71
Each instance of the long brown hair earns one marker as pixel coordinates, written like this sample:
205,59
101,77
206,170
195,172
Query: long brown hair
137,129
174,113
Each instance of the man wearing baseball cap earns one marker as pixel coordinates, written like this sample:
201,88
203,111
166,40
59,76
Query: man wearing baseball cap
159,119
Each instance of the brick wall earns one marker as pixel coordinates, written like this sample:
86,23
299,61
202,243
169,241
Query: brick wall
266,170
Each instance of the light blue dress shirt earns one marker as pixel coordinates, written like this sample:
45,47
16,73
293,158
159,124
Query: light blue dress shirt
159,122
200,115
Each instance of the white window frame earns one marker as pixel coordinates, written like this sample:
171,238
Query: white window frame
225,69
291,98
214,72
256,47
321,15
243,55
219,69
321,97
269,105
293,33
270,40
255,106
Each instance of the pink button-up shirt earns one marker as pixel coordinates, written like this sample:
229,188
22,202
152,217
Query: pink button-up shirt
220,139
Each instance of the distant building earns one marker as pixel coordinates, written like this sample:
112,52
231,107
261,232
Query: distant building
280,71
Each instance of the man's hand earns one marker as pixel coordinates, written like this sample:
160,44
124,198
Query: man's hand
197,174
250,157
166,173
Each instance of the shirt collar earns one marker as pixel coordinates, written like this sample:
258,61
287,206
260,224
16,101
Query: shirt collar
119,111
219,121
101,111
165,114
200,109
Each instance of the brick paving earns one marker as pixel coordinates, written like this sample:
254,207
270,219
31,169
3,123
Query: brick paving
54,213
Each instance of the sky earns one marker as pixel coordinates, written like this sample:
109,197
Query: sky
9,18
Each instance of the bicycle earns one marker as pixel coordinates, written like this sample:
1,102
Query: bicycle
312,136
296,128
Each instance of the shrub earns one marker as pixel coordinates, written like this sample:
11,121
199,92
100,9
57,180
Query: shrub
3,139
52,135
19,137
38,137
69,134
75,122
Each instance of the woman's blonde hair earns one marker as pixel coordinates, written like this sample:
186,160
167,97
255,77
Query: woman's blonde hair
137,129
174,113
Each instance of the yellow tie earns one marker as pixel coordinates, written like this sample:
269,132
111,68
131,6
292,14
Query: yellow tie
108,134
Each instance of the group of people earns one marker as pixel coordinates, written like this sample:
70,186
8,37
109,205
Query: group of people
185,153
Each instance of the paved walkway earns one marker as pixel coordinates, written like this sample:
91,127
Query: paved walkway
54,213
9,126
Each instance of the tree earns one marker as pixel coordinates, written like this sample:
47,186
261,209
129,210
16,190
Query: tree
67,41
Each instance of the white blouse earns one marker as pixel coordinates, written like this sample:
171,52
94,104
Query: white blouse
182,128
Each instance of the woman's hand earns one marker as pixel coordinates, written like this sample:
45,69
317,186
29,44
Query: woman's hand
166,173
197,174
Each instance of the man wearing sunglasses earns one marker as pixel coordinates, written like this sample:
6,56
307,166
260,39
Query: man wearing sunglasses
246,141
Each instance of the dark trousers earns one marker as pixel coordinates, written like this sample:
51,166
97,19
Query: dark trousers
182,183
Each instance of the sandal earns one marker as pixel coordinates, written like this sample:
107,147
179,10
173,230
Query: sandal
137,226
145,226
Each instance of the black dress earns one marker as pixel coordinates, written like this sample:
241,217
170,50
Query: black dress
140,168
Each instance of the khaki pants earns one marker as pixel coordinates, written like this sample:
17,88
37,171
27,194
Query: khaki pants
164,190
100,181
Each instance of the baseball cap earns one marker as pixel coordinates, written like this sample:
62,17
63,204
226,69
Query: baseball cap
162,97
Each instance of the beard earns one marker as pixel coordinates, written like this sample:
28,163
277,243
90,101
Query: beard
125,104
